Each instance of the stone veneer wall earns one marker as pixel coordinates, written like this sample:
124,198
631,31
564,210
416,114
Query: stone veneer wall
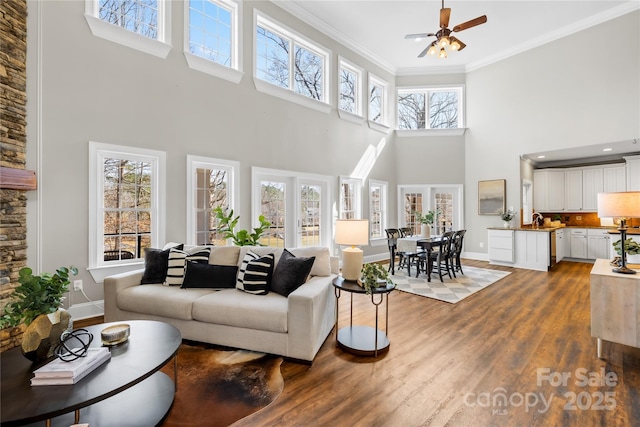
13,140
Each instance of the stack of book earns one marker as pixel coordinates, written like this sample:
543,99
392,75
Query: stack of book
59,372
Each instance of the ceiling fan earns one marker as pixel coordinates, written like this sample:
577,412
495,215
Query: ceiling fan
444,38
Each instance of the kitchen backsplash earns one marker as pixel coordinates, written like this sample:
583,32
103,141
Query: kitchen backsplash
586,219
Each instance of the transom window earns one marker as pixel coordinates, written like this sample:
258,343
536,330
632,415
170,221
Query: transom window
285,59
138,16
212,30
430,108
377,100
350,88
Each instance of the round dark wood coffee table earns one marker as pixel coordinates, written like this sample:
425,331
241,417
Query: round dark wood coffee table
127,390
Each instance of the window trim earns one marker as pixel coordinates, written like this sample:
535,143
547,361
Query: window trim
234,72
358,186
289,94
159,47
98,151
384,208
233,196
356,117
460,130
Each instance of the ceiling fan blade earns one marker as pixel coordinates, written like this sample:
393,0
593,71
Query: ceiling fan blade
466,25
445,13
424,52
419,36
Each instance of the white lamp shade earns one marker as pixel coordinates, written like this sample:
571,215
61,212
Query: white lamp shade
622,204
352,232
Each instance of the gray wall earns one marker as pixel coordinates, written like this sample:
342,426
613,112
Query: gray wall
565,94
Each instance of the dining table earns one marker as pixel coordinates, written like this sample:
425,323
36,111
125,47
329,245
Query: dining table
410,244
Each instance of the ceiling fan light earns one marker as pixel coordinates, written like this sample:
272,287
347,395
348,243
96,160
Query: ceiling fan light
432,50
442,54
444,41
455,45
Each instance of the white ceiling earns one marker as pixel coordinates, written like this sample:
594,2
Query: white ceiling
376,28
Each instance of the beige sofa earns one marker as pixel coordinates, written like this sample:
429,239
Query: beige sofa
294,326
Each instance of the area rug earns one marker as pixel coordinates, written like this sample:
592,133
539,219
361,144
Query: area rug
219,387
455,290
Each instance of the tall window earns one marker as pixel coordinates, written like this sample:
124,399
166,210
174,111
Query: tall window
211,30
413,202
377,100
350,88
297,205
286,60
444,208
350,198
430,108
377,208
212,184
125,203
122,21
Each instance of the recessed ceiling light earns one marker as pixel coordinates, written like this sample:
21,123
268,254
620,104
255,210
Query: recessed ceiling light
542,157
607,149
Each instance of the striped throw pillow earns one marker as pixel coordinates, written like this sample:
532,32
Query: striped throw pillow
178,261
254,275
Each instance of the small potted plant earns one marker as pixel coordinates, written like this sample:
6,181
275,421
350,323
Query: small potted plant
507,217
374,276
631,248
36,303
242,237
425,220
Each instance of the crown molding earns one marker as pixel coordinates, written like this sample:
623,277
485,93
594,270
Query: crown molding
431,70
335,34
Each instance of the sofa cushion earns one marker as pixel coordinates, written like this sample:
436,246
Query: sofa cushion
290,273
225,255
178,260
255,273
203,275
156,262
322,263
243,310
159,300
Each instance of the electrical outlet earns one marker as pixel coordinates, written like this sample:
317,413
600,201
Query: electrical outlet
77,285
482,244
578,218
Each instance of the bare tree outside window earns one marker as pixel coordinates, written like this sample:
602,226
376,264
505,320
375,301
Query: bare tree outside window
411,110
347,101
272,58
211,193
139,16
412,204
310,214
273,207
375,200
443,110
127,208
308,73
375,103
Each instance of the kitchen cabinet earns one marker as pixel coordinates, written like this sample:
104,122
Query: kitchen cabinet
532,250
632,170
573,190
548,190
614,179
579,243
598,244
501,247
592,184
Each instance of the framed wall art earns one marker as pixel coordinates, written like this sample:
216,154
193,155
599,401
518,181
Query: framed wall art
491,197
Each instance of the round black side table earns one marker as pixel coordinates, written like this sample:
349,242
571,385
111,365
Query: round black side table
362,340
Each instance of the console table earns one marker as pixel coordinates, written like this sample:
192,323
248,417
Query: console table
128,390
615,305
362,340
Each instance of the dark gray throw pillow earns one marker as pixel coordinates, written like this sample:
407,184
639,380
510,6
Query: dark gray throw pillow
201,275
156,262
291,273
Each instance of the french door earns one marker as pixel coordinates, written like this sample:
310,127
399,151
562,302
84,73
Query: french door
296,205
446,200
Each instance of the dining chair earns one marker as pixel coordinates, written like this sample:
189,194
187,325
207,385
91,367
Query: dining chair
392,243
442,258
456,251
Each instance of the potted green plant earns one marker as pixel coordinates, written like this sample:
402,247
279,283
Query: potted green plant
507,217
374,276
425,220
631,248
228,224
36,303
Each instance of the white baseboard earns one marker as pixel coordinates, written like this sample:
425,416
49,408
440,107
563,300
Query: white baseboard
478,256
86,310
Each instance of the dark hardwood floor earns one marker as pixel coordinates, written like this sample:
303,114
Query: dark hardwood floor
490,360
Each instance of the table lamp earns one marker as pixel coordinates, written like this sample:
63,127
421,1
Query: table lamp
352,232
622,205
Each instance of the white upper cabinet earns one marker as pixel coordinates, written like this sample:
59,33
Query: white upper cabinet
633,173
592,184
548,190
573,190
614,179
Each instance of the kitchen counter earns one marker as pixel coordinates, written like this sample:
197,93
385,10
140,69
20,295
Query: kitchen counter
612,230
